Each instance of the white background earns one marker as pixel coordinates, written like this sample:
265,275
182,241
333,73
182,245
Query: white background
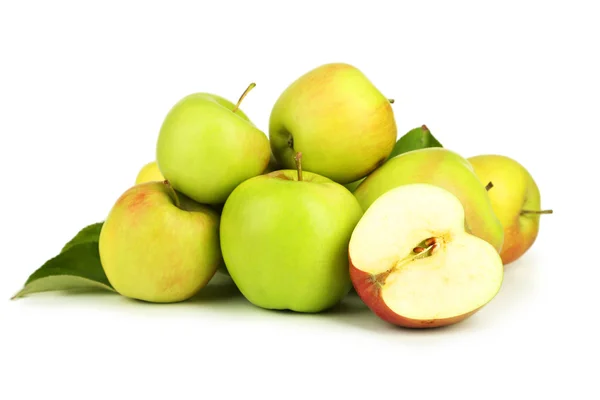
84,88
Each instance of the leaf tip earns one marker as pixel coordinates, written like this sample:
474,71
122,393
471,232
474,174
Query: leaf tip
16,295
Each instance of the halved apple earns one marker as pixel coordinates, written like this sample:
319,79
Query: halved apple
413,263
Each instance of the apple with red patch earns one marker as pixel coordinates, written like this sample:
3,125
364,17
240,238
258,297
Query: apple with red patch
158,245
413,263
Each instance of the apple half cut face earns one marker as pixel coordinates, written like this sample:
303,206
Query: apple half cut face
413,263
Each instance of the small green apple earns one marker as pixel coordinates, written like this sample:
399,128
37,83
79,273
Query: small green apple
207,146
159,246
516,200
284,239
331,114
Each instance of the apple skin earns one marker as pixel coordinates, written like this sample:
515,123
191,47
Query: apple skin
514,190
154,251
205,150
368,291
285,242
331,114
149,173
444,168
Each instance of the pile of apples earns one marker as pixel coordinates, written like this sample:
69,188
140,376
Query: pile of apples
422,236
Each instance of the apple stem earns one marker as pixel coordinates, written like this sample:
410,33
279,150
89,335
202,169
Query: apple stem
298,160
489,186
392,101
173,193
248,89
536,212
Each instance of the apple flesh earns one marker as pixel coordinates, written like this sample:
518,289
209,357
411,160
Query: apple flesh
285,240
413,263
159,246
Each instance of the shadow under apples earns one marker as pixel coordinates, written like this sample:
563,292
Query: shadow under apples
222,295
520,279
220,291
221,288
354,312
84,293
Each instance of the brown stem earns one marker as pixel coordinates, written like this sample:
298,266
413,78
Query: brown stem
298,160
489,186
536,212
248,89
173,193
391,101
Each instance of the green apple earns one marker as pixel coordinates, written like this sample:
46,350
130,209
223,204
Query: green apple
284,239
446,169
413,263
159,246
207,146
331,114
515,199
149,173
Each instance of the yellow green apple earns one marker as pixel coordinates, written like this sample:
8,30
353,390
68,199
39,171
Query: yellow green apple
516,200
284,239
446,169
331,114
157,245
149,173
207,146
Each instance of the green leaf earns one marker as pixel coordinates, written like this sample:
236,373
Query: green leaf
415,139
77,266
90,233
